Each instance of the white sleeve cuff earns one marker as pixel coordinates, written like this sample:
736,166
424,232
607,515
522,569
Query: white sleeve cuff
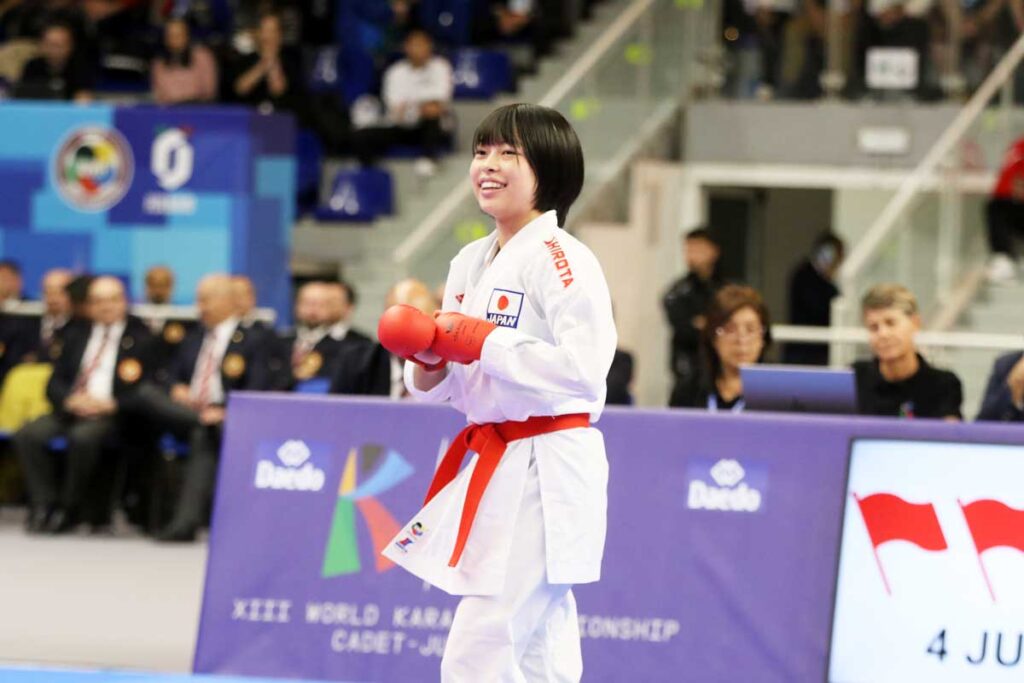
494,353
439,394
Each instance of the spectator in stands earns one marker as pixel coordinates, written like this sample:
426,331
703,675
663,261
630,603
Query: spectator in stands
365,367
94,380
46,332
30,339
770,19
1004,394
183,72
892,23
169,332
1004,216
56,307
78,292
685,303
244,292
272,74
159,283
217,358
341,303
272,78
417,93
10,282
57,73
987,29
737,332
502,21
898,382
813,19
811,290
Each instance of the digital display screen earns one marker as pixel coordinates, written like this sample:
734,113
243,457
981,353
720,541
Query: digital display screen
931,567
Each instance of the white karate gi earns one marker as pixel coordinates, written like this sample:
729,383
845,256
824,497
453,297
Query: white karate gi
541,524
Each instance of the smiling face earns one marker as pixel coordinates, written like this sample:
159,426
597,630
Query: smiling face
503,182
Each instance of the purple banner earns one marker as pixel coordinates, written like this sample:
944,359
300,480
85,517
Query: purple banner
720,564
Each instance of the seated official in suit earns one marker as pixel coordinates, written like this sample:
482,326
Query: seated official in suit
366,368
94,384
310,349
168,332
217,358
898,381
244,292
37,339
1004,395
341,304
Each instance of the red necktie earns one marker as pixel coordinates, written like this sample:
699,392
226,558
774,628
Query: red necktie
205,366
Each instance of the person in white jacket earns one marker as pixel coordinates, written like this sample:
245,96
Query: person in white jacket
522,346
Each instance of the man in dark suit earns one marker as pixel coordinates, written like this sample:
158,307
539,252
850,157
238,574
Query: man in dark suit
1004,395
311,349
94,384
685,303
168,332
217,358
31,338
365,368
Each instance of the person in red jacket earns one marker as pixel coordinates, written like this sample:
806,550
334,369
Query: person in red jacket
1004,215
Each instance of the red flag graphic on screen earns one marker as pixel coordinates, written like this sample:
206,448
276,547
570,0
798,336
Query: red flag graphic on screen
890,518
992,525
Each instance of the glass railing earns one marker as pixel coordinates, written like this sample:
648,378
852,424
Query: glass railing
633,76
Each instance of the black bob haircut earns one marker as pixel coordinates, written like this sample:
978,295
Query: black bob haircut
550,145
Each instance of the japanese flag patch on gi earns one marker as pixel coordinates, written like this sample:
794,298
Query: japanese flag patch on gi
504,307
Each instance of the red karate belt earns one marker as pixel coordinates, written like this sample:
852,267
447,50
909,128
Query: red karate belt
489,442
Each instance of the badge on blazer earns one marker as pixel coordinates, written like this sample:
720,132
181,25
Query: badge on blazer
237,337
309,366
129,370
174,333
234,365
127,342
55,350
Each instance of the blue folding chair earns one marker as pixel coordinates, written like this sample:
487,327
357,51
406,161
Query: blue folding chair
481,74
358,195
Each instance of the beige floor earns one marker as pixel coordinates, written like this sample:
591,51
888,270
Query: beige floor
118,602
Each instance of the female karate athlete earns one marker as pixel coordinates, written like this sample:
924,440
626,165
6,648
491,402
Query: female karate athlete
522,347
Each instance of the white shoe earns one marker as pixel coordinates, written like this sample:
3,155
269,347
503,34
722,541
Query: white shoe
425,168
1001,269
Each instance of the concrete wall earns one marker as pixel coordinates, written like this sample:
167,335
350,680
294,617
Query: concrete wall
801,133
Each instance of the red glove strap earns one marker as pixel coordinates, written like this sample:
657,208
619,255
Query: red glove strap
459,338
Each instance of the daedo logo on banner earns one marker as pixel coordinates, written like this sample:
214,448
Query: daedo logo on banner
725,486
291,471
172,163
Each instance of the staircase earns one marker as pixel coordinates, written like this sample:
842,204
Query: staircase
998,309
612,121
